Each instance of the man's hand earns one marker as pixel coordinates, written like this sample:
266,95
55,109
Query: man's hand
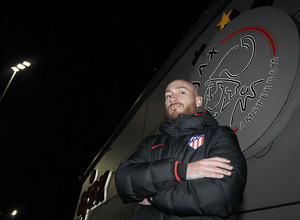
215,167
145,202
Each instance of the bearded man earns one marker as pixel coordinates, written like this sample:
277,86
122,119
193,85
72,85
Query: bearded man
194,170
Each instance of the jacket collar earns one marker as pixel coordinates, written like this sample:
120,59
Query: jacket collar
186,124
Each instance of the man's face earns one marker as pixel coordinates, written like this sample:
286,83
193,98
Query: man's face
181,98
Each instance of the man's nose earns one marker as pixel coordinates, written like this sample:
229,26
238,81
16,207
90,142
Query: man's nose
173,98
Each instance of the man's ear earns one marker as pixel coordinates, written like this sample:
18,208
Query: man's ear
199,101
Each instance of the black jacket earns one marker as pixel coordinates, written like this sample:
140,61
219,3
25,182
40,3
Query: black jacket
152,171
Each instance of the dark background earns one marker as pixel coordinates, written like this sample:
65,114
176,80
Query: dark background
90,62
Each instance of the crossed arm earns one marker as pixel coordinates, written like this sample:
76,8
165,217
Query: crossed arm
215,167
217,181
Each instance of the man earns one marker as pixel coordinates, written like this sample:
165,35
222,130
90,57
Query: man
194,170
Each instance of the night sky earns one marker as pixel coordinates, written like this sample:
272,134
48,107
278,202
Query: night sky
90,62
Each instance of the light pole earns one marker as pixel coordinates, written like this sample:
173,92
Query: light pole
15,69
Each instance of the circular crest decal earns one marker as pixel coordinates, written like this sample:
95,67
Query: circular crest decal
248,76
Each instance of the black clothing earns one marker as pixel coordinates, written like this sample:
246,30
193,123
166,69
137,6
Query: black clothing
152,171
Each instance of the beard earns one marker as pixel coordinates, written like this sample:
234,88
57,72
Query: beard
173,114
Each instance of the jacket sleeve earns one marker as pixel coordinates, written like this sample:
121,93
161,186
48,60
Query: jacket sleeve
136,178
209,196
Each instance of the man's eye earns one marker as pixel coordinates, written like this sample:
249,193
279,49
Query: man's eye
181,93
168,96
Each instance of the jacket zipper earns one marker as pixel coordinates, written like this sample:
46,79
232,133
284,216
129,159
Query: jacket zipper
175,138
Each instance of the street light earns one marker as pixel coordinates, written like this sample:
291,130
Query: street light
15,69
13,214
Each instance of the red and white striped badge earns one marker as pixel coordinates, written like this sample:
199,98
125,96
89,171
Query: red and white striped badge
196,141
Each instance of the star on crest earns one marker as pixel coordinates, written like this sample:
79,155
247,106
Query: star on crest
225,20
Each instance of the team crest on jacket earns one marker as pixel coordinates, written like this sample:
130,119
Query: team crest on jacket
196,141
